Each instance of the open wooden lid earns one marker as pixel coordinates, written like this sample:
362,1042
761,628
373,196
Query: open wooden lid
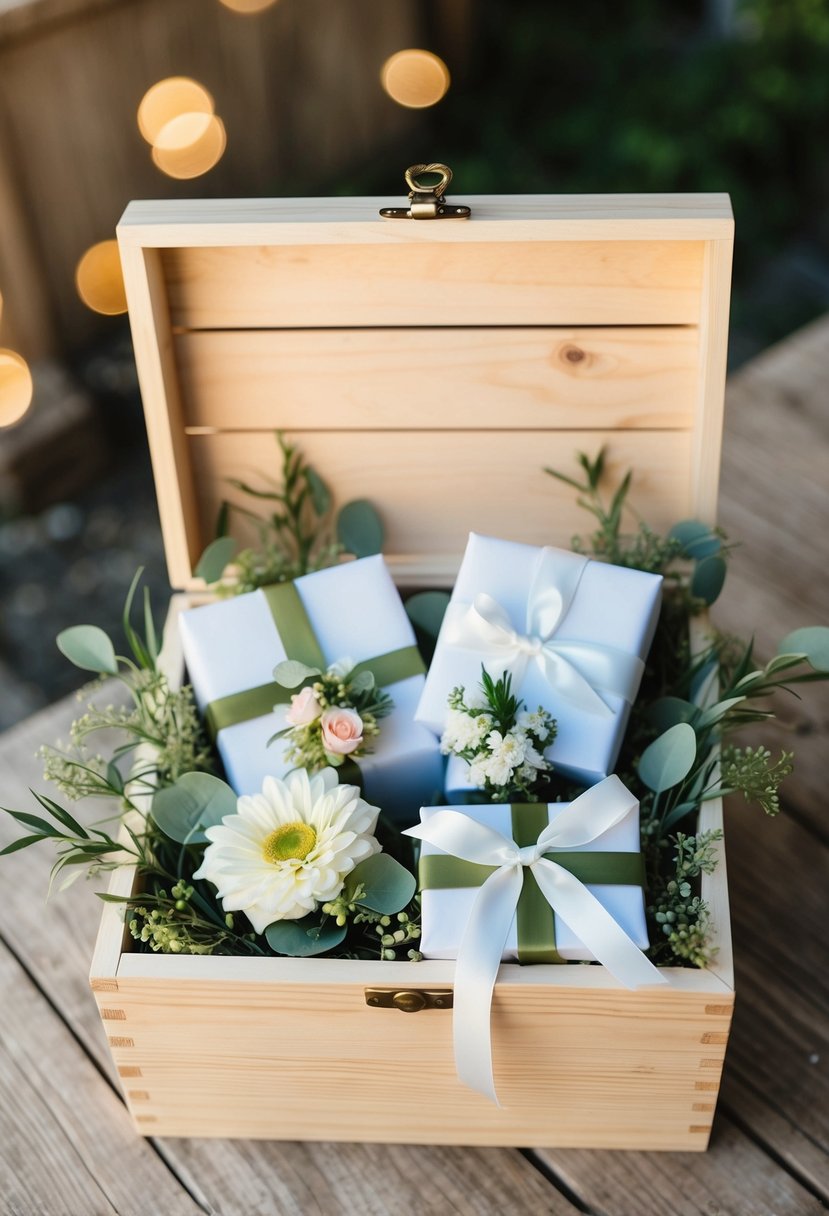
434,367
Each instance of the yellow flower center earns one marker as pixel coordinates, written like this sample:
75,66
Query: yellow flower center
291,842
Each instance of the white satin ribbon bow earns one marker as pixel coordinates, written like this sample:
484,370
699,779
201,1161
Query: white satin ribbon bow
486,932
580,672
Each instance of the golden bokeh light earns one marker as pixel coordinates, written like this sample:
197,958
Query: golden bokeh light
168,100
183,131
196,158
415,79
99,279
248,6
16,387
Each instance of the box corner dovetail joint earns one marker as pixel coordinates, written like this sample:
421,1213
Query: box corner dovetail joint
420,364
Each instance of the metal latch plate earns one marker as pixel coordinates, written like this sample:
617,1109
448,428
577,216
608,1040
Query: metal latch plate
409,1000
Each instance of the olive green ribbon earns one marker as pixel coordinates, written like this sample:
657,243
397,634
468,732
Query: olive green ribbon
535,919
300,643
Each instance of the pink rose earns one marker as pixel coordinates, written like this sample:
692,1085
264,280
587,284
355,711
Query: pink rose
304,708
342,731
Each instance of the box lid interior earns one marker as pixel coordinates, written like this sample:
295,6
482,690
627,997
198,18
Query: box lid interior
434,367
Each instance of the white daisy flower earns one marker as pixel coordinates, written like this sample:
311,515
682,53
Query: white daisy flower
289,848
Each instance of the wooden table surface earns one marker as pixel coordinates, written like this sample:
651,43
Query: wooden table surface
66,1144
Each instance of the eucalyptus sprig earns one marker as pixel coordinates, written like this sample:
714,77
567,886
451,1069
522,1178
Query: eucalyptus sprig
689,542
296,535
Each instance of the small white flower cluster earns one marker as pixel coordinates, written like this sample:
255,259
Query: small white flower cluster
502,755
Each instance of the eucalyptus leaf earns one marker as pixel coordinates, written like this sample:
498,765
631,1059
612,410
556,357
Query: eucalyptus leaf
89,648
211,565
708,578
667,711
196,801
389,886
360,529
364,681
669,758
813,641
290,673
320,494
427,609
303,938
696,538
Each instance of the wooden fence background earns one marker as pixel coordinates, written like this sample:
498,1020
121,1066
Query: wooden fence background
297,87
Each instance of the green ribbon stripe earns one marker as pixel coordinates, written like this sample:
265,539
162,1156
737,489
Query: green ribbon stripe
535,919
300,643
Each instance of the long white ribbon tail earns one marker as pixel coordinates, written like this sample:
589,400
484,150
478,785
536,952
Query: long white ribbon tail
476,970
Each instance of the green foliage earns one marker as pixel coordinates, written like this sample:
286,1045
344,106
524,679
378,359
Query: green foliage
380,884
669,759
373,892
314,934
196,801
812,642
211,565
753,773
360,529
89,648
682,918
426,610
644,549
182,922
295,535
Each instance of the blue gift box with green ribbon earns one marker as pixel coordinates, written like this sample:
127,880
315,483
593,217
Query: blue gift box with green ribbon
352,611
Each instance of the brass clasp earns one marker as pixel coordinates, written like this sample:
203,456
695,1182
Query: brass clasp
427,202
409,1000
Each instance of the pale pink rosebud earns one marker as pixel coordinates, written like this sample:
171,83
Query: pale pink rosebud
342,731
305,707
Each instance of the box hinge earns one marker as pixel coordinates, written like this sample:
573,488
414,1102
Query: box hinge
409,1000
427,201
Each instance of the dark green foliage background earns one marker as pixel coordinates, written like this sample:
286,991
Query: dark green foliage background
656,95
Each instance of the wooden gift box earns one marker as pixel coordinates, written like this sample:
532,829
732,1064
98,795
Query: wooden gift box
433,367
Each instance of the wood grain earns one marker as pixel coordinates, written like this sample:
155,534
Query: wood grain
775,504
450,483
67,1143
372,281
439,379
737,1178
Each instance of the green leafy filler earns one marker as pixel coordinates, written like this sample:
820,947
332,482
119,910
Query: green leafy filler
295,531
160,775
678,751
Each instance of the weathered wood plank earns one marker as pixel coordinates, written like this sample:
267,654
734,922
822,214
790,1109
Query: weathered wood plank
774,502
439,379
735,1178
780,1040
67,1143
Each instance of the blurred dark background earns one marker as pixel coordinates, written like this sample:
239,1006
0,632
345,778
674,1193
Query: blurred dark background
644,96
